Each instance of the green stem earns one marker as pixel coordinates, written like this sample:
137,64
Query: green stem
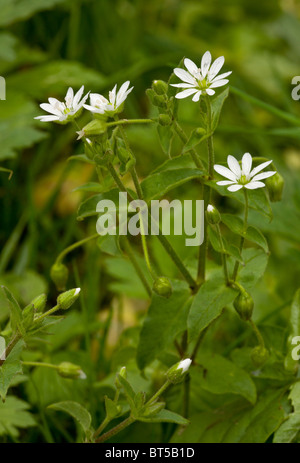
46,314
74,246
210,145
40,364
116,429
159,392
236,267
184,139
224,259
136,265
145,248
204,246
257,333
128,122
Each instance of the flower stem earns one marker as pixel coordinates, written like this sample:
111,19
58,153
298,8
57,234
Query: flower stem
159,392
74,246
112,432
236,267
128,122
41,364
184,139
210,145
257,333
224,259
136,265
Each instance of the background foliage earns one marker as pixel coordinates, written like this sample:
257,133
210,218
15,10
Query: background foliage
48,45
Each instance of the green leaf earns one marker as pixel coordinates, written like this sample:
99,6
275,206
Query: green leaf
10,368
165,416
77,411
13,415
236,225
217,104
15,311
228,249
158,184
220,376
290,363
165,319
289,431
89,207
129,392
194,140
17,10
111,408
165,134
208,304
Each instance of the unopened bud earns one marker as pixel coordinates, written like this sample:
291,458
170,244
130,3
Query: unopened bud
59,275
123,373
259,356
66,299
160,87
275,185
244,304
212,215
71,371
178,371
164,119
93,129
39,303
163,287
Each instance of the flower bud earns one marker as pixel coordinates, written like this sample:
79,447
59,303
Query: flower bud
66,299
123,373
160,87
212,215
259,356
178,371
164,119
244,304
88,149
39,303
93,129
163,287
275,186
71,371
59,275
159,101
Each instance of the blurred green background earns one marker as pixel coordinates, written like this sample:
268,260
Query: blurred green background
48,45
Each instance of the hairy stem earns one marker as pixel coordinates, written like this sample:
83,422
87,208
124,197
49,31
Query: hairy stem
236,267
184,139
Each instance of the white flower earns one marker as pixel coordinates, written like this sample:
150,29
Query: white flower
201,80
210,208
64,112
184,365
243,177
100,105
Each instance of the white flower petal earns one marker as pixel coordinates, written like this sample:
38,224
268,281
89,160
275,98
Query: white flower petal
112,95
185,76
259,168
197,96
254,185
191,66
47,118
185,93
221,76
233,165
225,182
263,175
246,163
205,63
183,85
78,96
50,109
218,83
93,109
54,102
69,97
216,67
210,91
234,187
124,87
225,172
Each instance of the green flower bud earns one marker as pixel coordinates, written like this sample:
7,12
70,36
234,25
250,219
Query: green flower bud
28,316
160,87
259,356
178,371
159,101
66,299
244,304
163,287
123,373
59,275
212,215
39,303
154,409
164,119
71,371
275,186
93,129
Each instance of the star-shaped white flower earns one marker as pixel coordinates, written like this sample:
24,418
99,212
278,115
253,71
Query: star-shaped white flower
100,105
243,177
201,81
63,112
